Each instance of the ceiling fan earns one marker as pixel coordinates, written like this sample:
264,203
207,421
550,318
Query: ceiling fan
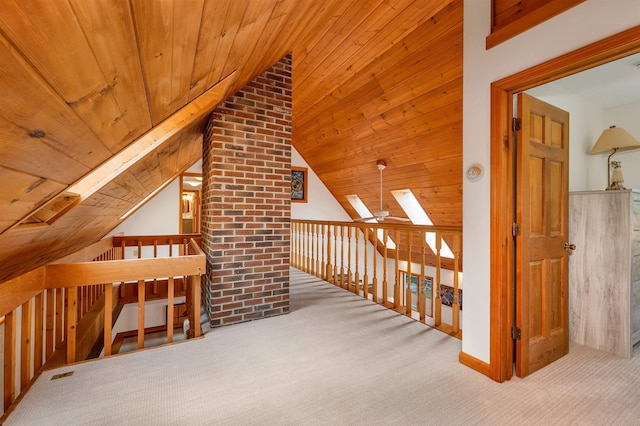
381,215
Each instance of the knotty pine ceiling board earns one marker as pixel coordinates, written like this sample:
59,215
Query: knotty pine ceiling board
233,20
167,35
23,193
351,57
58,50
389,75
29,103
249,33
214,20
117,55
21,151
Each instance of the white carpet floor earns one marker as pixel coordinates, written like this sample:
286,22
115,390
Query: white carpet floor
336,359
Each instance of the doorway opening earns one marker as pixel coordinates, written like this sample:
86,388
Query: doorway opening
503,185
190,203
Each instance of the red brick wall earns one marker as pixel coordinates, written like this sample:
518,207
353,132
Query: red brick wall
246,201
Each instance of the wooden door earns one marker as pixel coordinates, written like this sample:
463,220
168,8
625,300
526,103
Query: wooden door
541,294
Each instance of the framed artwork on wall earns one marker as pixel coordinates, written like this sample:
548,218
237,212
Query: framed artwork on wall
428,289
298,184
446,293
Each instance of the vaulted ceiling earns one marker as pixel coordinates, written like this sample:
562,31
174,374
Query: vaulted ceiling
107,99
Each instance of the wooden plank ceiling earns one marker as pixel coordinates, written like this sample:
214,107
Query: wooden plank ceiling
83,80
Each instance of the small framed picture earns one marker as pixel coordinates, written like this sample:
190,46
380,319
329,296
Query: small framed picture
298,184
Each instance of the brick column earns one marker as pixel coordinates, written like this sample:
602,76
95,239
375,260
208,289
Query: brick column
246,201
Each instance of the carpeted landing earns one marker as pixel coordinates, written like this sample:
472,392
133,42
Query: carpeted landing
336,359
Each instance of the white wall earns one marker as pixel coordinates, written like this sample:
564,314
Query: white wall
159,216
321,204
627,117
586,23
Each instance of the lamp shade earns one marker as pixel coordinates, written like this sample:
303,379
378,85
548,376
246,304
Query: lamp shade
614,138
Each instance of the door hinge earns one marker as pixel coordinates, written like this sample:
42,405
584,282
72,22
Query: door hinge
515,229
516,124
515,332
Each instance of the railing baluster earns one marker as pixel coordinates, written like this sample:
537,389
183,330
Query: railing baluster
60,297
318,272
299,248
329,271
155,255
365,277
397,298
335,256
302,245
195,287
356,279
313,249
438,299
85,306
10,332
38,334
385,258
323,247
170,319
342,257
349,279
408,294
25,346
374,282
422,299
301,251
71,308
307,263
50,322
310,250
455,319
141,296
108,318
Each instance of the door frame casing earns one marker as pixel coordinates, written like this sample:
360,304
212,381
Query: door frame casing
502,179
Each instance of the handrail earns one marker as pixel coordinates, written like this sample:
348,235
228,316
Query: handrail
361,257
85,273
61,299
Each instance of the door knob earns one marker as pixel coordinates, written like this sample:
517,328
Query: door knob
569,247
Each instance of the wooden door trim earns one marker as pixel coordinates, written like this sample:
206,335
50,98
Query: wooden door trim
501,244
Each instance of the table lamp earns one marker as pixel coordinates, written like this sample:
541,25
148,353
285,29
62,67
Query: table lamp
614,139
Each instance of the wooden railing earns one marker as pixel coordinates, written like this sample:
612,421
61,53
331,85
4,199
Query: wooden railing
386,262
56,312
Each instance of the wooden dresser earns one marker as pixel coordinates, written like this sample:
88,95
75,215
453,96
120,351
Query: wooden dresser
604,270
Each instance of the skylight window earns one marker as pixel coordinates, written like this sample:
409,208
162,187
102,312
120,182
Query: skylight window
418,216
363,211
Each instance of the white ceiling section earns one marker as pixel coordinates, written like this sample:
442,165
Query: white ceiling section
609,85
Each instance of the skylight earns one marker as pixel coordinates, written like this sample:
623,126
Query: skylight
418,216
363,211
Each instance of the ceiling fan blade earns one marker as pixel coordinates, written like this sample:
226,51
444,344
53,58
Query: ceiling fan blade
365,219
401,219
